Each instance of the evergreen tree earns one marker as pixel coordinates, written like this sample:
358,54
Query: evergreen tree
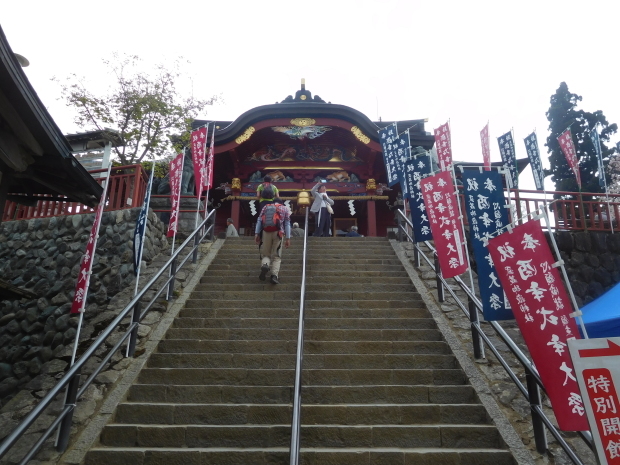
563,113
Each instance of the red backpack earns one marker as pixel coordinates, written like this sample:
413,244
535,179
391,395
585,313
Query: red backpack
271,218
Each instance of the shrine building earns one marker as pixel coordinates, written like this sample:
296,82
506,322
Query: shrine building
298,142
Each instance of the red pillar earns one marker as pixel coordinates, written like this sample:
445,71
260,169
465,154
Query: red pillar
372,218
234,212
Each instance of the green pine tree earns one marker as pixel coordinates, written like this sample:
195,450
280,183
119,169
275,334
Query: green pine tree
563,113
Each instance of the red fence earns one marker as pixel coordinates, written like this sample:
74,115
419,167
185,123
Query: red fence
126,190
573,211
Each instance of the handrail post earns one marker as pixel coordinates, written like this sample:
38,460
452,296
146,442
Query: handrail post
533,391
195,251
475,323
416,256
173,273
135,318
64,430
440,290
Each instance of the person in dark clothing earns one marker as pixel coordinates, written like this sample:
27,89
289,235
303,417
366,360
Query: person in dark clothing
353,232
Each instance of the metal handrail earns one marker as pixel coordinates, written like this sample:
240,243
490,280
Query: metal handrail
296,420
71,379
534,383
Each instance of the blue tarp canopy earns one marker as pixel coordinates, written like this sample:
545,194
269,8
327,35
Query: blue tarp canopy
602,316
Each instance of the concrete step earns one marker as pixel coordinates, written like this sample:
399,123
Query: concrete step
254,284
310,304
357,313
279,377
245,334
323,274
308,456
321,395
278,435
265,414
310,323
198,346
274,293
311,361
218,278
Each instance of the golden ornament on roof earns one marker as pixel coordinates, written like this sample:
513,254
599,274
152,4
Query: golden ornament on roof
246,135
236,183
360,135
303,122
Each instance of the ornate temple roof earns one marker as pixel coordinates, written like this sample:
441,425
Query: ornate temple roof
305,106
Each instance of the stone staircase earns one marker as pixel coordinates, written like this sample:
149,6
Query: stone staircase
379,384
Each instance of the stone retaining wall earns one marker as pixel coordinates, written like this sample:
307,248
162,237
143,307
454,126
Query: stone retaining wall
43,256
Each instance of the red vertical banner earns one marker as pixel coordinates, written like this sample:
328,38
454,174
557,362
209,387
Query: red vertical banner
486,149
174,176
568,148
540,304
210,159
443,145
446,226
86,265
606,410
199,145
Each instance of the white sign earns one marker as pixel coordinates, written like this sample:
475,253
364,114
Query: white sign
597,367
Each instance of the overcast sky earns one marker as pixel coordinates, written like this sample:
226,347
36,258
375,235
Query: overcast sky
469,62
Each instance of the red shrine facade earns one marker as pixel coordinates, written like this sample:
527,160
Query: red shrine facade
299,142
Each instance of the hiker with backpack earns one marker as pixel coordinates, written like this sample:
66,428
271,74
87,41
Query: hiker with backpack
322,209
267,182
272,227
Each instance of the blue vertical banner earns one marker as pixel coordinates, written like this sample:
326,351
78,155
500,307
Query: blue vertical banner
509,157
404,156
486,213
138,235
414,170
596,141
393,148
531,146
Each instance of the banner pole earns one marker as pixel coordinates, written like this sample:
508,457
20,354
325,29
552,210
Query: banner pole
577,313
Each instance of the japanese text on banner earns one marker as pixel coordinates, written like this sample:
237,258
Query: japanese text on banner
392,144
86,265
208,179
199,144
606,409
486,213
568,148
443,145
443,213
531,146
176,171
541,307
414,170
509,158
486,150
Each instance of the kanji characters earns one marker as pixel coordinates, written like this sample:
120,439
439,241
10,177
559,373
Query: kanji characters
558,346
529,242
575,401
526,269
548,317
536,291
602,383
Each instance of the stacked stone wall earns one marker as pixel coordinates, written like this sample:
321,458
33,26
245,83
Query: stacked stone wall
43,256
592,261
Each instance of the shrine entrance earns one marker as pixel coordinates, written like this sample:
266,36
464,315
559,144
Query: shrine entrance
299,142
